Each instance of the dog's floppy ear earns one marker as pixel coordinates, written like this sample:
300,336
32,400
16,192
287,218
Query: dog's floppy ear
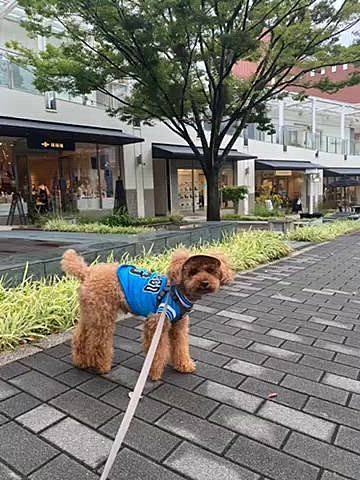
177,261
226,271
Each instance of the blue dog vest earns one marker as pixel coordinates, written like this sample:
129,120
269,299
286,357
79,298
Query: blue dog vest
145,293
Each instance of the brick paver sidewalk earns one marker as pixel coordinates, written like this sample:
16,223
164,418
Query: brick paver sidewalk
291,329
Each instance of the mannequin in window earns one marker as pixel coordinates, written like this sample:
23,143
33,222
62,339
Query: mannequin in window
43,197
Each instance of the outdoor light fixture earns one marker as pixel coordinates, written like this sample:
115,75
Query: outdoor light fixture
139,159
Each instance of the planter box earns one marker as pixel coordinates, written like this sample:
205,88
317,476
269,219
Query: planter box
282,226
94,203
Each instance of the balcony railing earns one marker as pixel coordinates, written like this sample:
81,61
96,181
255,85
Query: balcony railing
291,136
18,78
13,76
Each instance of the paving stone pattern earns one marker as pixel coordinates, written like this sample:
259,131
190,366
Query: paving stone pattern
276,395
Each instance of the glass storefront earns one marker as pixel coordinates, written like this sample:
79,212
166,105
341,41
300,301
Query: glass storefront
58,176
342,192
191,188
289,185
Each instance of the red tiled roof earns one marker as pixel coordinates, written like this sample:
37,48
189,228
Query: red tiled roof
245,69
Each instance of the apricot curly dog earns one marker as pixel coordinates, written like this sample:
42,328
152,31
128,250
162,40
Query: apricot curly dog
108,288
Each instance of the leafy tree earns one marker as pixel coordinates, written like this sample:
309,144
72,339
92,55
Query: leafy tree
179,56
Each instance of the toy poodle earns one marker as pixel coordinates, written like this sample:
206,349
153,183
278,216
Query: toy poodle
107,288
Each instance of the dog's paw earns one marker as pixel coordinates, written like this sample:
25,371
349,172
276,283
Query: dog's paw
186,367
155,376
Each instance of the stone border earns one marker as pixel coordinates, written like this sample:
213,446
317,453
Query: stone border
119,245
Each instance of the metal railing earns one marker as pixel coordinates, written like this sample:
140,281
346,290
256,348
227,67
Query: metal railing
301,138
14,77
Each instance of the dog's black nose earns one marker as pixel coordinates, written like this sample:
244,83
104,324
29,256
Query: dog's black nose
205,284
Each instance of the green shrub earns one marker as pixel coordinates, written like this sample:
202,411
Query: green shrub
35,309
234,194
122,218
324,232
260,210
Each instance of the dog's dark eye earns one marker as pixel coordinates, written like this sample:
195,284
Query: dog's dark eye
193,272
210,270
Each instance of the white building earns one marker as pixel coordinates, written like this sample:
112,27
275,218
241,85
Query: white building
77,151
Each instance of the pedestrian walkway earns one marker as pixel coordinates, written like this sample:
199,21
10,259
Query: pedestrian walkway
276,394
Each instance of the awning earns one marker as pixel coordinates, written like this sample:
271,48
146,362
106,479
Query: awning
344,182
22,127
339,172
261,164
184,152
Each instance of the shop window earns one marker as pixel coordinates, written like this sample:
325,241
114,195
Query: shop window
73,179
7,174
186,181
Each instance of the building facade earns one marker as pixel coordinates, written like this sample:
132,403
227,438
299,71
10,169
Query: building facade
70,148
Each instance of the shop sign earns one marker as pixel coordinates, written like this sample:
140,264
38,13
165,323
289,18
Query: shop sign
283,173
44,143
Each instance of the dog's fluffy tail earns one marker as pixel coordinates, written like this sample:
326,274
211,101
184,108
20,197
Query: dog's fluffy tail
74,264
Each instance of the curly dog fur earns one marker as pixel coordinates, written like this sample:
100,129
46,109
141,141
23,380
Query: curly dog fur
101,298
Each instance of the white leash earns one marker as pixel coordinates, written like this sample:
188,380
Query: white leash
136,395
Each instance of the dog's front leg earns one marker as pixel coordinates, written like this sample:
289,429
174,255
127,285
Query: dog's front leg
179,344
162,354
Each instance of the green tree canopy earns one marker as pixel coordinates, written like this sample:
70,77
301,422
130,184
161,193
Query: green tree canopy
179,56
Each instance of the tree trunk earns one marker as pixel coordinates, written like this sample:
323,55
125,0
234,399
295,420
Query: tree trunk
213,195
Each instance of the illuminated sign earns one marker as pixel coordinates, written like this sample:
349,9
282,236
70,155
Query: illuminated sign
52,145
283,173
40,143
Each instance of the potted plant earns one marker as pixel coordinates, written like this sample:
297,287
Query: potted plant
234,194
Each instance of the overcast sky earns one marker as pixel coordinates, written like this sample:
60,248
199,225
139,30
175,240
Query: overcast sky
346,38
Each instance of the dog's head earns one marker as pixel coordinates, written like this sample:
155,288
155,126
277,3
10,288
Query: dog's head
199,274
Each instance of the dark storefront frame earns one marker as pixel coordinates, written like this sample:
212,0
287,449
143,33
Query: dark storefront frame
42,136
171,152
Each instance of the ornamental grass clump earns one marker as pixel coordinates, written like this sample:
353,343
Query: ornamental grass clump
36,308
61,225
324,232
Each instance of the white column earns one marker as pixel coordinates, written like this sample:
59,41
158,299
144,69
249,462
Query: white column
342,128
313,122
311,197
281,120
246,176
